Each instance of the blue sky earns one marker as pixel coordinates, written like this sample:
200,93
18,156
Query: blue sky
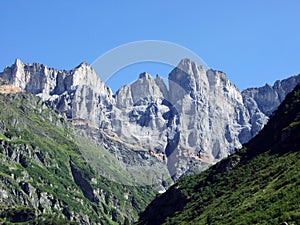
254,42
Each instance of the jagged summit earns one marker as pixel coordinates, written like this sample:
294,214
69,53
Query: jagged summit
200,118
187,63
269,97
189,67
144,75
38,78
18,62
83,64
187,77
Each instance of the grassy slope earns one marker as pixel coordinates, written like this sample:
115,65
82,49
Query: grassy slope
46,149
257,185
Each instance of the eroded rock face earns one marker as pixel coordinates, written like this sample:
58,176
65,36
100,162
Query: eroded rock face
269,97
199,119
78,93
211,114
263,101
142,118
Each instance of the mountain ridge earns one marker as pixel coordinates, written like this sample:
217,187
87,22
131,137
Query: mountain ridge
185,125
256,185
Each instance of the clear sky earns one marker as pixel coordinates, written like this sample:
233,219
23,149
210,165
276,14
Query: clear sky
254,42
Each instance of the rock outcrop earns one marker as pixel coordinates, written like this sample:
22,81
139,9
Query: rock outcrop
199,119
261,102
269,97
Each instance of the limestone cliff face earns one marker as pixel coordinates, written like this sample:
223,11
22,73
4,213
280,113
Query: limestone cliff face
269,97
263,101
78,93
139,117
38,78
199,119
211,113
84,99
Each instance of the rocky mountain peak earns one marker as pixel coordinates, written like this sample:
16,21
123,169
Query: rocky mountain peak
187,79
200,118
269,97
84,74
190,67
18,62
144,75
39,79
185,70
145,87
83,64
186,65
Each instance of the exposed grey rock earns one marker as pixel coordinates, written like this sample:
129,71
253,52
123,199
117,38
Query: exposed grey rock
263,101
211,114
199,119
162,86
269,97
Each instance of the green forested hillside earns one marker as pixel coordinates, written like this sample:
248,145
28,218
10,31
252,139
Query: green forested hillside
257,185
44,179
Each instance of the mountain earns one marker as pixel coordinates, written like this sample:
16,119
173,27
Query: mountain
263,101
259,184
169,130
46,176
268,98
84,100
73,151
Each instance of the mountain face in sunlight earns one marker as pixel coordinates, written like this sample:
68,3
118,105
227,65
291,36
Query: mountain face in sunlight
259,184
171,130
